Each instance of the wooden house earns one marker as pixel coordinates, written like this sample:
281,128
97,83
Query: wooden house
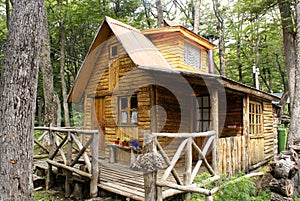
161,80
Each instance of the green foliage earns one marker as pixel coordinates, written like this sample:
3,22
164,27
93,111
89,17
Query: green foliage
231,189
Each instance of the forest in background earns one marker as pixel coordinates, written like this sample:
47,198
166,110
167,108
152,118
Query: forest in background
247,35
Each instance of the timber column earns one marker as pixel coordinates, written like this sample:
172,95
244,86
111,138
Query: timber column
215,125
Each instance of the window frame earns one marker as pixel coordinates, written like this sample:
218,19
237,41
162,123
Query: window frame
256,125
128,110
111,46
190,47
200,108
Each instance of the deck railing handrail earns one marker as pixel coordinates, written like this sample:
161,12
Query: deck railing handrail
186,145
68,139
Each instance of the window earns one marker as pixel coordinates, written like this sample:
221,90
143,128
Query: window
203,114
128,113
192,55
113,50
255,118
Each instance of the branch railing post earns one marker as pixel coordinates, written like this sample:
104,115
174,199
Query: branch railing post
49,177
188,166
95,166
69,160
150,178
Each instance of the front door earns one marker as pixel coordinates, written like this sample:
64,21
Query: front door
99,122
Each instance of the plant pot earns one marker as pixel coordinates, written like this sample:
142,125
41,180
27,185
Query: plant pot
117,141
125,144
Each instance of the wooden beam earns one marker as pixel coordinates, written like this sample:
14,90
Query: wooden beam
185,135
66,130
42,146
246,131
81,152
167,160
84,155
95,165
174,160
188,166
215,126
202,157
79,172
189,188
59,146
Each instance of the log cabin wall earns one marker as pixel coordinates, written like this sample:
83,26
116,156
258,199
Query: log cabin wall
270,133
113,77
172,47
233,125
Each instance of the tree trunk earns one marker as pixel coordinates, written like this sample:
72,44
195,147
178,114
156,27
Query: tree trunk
160,14
50,96
289,44
7,10
18,92
220,28
294,132
62,71
284,187
197,16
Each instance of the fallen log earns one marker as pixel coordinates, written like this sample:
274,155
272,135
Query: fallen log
277,197
283,169
284,187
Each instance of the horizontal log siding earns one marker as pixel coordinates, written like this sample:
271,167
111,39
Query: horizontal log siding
171,46
233,125
130,81
269,136
232,155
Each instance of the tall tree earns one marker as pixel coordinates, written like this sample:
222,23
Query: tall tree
294,133
160,14
51,100
287,22
62,64
220,29
17,103
197,16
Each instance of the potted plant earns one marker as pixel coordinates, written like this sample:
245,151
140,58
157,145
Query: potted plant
125,141
117,141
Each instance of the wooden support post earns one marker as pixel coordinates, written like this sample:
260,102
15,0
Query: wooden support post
150,178
188,167
95,166
112,154
69,174
246,131
49,177
215,126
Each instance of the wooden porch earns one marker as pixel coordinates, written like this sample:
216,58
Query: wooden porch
120,178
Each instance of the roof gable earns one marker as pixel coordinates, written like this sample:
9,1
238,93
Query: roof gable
139,48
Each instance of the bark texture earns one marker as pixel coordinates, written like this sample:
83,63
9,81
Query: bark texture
17,102
294,133
197,16
220,29
288,43
51,103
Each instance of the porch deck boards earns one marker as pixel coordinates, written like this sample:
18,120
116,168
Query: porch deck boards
120,179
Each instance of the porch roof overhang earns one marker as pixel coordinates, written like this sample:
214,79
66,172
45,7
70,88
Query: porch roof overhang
227,83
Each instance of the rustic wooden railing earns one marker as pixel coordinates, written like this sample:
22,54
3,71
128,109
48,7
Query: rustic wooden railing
68,140
187,145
